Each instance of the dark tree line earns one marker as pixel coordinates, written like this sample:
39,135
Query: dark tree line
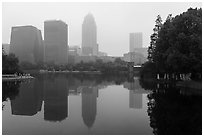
173,110
118,66
9,64
171,113
176,45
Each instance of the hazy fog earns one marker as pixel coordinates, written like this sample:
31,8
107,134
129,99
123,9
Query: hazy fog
114,20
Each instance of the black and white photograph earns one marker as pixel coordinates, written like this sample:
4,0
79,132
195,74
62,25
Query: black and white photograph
101,68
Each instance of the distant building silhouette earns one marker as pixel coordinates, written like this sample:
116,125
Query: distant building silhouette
76,49
73,52
89,36
102,54
142,51
26,43
55,41
137,53
135,57
89,104
135,40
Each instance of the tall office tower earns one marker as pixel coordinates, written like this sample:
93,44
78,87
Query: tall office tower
55,41
135,41
89,36
26,43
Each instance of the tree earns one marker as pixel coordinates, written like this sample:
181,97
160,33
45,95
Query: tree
176,45
9,64
154,37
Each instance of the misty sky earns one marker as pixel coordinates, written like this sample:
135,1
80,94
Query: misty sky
114,20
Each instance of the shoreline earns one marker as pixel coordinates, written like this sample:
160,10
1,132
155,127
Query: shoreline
15,77
87,72
181,84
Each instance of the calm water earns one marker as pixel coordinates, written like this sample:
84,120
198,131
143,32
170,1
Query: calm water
78,104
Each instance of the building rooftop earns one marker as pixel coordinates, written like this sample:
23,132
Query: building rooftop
55,20
26,26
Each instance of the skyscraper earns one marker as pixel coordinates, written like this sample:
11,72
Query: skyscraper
89,36
135,40
55,40
26,43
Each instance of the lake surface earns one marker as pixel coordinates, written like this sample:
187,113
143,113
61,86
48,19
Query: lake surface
94,104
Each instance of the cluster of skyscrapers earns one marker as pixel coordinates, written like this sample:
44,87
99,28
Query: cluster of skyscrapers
27,43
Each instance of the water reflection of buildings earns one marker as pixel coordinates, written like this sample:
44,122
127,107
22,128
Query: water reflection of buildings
89,104
88,90
27,103
135,93
135,100
54,90
55,99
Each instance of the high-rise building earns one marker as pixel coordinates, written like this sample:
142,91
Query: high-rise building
135,41
89,36
55,41
26,43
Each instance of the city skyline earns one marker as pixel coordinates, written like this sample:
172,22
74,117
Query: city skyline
114,20
101,68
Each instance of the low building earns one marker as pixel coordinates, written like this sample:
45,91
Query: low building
142,50
107,58
135,57
102,54
76,49
85,59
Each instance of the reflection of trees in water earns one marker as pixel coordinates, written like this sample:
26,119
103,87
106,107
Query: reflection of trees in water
98,79
95,78
173,113
10,89
147,84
